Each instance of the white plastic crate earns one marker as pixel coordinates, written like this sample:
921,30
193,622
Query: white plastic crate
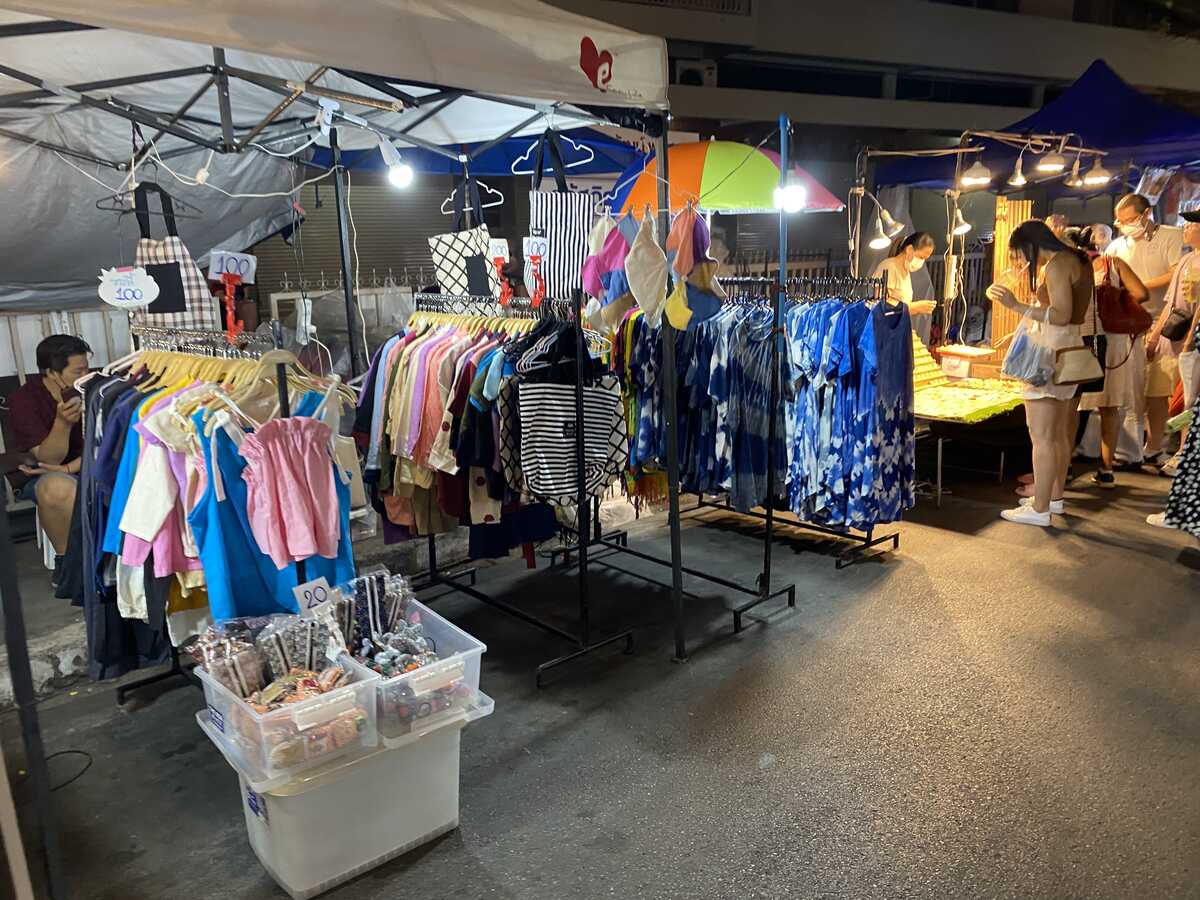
383,802
296,737
420,699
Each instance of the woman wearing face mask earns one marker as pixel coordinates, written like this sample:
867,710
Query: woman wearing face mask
1117,390
908,256
1061,278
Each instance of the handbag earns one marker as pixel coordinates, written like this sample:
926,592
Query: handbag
562,218
460,257
1119,312
1076,365
1177,324
1029,358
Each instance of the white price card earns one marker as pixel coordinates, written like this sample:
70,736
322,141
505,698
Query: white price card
313,598
225,262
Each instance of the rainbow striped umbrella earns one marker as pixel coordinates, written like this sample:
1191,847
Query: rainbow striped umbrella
719,176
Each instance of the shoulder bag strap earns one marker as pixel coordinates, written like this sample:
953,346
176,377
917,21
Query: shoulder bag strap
550,139
467,187
141,206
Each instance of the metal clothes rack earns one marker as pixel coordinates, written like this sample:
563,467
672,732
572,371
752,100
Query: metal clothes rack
582,639
214,343
802,290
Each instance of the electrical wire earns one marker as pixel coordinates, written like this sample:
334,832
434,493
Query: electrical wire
192,182
288,154
354,241
87,765
89,175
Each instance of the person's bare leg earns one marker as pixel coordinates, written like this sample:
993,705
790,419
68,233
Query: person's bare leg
1156,423
1110,433
1045,432
55,503
1070,417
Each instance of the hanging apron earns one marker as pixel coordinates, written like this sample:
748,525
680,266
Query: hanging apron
183,298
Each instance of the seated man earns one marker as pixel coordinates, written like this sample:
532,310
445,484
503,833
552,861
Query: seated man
44,416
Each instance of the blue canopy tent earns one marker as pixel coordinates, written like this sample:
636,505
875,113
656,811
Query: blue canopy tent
611,156
1105,112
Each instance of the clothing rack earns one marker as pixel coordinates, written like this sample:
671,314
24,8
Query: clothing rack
184,340
801,290
521,307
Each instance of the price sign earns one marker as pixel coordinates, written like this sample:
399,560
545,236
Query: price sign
126,287
313,598
225,262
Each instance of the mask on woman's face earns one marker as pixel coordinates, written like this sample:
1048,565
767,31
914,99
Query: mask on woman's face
916,264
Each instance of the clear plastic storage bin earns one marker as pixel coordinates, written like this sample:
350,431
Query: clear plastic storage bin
300,735
367,808
418,700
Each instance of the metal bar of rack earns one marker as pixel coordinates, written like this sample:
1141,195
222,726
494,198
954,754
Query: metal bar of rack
434,576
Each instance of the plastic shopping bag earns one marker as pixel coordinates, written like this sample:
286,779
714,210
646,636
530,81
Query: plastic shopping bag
1030,358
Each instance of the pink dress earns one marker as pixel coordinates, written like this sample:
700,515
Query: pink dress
291,499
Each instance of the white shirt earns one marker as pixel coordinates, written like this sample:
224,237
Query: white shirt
899,279
1151,258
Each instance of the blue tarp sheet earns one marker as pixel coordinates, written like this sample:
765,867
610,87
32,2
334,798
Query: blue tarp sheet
1101,108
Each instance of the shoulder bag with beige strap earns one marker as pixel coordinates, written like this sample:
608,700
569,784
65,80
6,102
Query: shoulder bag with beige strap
1078,365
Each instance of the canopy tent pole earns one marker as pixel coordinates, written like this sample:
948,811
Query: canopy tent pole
339,193
17,644
671,411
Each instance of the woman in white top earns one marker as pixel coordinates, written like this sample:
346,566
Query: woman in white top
1117,390
908,255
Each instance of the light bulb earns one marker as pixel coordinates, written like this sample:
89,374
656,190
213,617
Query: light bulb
961,225
977,175
400,176
1097,175
400,173
890,226
1075,179
1051,163
791,196
880,241
1018,176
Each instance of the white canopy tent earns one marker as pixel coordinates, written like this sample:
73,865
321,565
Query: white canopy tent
70,96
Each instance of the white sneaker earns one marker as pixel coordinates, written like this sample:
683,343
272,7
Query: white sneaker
1025,515
1056,506
1159,520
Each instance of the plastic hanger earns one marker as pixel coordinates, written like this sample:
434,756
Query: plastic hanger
579,148
122,202
446,211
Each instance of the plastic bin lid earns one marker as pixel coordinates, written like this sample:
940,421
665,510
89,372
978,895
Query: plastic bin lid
308,779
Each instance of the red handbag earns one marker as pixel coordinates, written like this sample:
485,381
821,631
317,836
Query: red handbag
1119,312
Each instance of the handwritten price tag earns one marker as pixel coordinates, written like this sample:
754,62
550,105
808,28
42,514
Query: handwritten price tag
313,598
224,262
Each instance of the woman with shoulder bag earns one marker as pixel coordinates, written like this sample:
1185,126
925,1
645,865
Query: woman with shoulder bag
1117,390
1172,331
1062,281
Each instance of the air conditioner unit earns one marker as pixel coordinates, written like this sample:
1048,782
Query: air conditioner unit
696,72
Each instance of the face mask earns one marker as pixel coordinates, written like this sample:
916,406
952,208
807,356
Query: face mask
1135,231
916,264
